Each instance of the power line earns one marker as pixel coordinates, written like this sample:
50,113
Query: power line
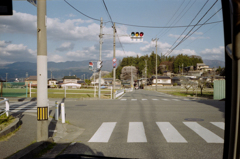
173,15
192,28
113,25
142,26
177,18
190,23
192,32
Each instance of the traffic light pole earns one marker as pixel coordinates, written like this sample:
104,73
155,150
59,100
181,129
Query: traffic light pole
114,54
42,92
100,54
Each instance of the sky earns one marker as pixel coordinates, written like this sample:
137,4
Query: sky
72,36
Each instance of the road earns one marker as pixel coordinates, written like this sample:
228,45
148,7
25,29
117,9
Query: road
148,124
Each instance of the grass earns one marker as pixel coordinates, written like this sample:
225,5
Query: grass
6,137
5,121
204,94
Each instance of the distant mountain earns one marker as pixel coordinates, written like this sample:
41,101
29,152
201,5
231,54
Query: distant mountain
59,70
214,63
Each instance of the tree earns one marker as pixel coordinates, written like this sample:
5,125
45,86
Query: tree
186,83
87,81
201,84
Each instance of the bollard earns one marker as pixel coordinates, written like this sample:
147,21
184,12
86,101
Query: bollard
63,112
56,110
7,106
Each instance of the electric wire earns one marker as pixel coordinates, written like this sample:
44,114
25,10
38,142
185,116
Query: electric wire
167,30
141,26
115,30
186,37
172,16
189,24
192,28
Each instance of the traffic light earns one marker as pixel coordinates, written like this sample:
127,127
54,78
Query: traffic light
90,66
136,35
99,65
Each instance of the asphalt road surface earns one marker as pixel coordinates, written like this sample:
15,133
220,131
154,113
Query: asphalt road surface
148,124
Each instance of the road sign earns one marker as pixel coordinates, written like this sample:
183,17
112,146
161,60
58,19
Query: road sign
114,64
114,60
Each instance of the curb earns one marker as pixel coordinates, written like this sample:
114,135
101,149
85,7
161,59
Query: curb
10,128
30,151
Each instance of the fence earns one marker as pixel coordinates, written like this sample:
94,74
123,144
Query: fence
6,110
119,92
219,89
13,89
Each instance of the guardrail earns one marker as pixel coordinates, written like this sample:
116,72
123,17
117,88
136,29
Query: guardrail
6,110
119,92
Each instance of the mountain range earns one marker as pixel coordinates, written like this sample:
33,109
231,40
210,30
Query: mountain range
61,69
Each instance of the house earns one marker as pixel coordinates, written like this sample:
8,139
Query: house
161,81
32,80
202,67
108,81
52,83
176,80
102,81
71,85
70,79
167,73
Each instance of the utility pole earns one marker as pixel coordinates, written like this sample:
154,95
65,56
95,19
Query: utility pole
100,58
6,76
114,54
84,77
131,78
42,92
182,68
156,39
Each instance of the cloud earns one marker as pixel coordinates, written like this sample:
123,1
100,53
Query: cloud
120,53
162,47
67,46
214,53
10,53
57,30
56,58
191,37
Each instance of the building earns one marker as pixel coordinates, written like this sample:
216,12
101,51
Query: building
32,80
161,81
202,67
52,83
70,79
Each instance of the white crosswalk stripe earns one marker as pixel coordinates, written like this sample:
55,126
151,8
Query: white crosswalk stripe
104,132
123,99
176,99
136,132
144,99
170,133
133,99
219,124
165,99
154,99
206,134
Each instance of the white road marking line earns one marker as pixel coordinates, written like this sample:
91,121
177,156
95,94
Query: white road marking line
206,134
133,99
144,99
165,99
104,132
176,99
186,99
154,99
136,132
170,133
219,124
123,99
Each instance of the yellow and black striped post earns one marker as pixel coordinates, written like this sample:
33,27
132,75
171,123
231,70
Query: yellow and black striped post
42,113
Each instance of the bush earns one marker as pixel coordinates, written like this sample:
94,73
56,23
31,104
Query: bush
174,84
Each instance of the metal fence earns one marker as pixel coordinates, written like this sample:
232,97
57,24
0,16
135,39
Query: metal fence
13,89
219,89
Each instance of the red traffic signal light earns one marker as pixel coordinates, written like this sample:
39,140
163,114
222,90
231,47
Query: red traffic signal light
141,34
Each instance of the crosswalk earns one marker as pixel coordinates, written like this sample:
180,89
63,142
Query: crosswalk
30,107
161,99
136,132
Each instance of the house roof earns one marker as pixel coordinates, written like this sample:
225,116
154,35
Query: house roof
108,78
161,77
31,78
52,80
70,77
